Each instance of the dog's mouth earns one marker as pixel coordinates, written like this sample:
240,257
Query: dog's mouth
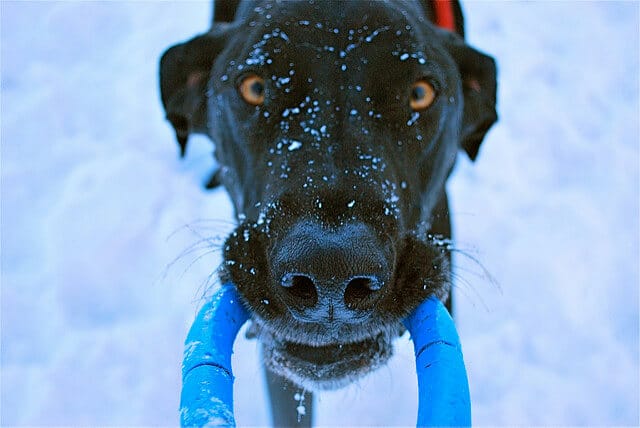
323,339
329,366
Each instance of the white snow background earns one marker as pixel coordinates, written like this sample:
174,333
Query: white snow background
96,206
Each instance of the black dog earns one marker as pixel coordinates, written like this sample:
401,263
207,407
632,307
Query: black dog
336,125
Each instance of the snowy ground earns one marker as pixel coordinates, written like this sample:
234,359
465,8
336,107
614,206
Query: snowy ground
96,207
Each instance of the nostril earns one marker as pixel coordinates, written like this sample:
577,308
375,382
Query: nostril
359,288
301,288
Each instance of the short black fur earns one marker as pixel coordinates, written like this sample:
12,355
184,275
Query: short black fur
338,186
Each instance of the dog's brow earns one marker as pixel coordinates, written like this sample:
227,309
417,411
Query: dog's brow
352,45
259,55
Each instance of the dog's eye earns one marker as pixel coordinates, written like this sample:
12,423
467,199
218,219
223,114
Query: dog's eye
252,90
422,95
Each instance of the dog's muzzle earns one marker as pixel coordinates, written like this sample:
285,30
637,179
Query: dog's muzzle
330,280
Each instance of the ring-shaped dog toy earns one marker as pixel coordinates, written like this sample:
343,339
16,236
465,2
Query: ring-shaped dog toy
207,379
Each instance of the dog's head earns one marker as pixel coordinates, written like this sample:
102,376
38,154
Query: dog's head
336,125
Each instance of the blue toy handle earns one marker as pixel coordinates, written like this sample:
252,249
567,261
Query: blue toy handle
207,379
443,388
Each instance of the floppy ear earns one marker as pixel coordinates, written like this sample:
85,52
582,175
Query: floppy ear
184,74
478,73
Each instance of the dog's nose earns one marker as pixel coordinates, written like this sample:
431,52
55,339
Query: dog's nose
330,275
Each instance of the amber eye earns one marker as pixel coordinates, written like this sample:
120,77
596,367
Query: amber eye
252,90
422,95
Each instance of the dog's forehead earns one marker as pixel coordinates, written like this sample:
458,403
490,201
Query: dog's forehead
341,27
320,36
342,14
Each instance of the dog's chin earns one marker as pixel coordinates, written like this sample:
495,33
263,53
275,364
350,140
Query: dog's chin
329,366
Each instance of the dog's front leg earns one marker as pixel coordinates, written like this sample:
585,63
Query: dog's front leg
291,406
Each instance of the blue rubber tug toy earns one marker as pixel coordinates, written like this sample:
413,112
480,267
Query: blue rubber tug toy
207,379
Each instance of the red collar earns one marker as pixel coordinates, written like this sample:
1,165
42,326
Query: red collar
443,11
